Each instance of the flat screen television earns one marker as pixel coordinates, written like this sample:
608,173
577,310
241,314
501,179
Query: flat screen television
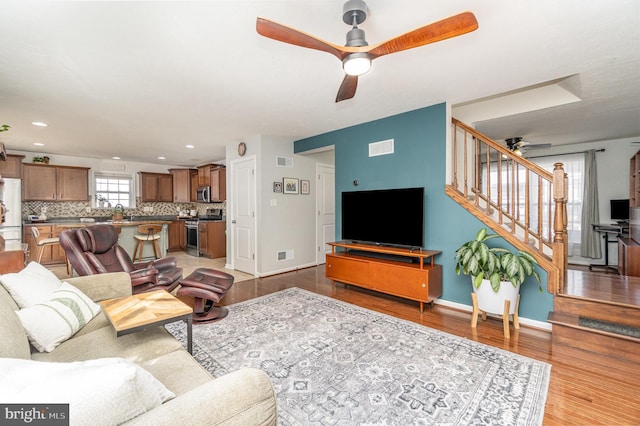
386,217
620,209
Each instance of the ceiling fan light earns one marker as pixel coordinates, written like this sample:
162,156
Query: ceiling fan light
356,64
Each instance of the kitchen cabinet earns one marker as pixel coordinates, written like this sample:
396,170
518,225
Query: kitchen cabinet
204,175
183,190
193,177
52,254
12,257
156,187
212,239
12,167
218,184
177,235
203,245
54,183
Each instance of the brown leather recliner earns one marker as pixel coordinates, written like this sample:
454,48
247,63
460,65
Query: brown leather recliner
95,250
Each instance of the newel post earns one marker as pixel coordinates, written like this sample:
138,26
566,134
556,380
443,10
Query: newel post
560,237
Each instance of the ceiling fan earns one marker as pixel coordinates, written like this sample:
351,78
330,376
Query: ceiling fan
519,146
356,55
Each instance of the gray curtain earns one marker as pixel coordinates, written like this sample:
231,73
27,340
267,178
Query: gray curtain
590,240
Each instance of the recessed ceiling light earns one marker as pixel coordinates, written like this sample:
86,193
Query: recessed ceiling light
115,158
38,144
189,146
39,124
162,158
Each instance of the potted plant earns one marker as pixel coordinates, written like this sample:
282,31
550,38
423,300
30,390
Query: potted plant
118,213
496,272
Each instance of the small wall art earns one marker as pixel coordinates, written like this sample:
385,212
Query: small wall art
304,187
277,186
290,185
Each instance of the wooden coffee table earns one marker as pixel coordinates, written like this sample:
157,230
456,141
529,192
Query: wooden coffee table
145,310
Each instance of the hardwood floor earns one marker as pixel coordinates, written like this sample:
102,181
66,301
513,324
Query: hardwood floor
580,393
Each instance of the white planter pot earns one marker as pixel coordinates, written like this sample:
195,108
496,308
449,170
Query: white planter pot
493,303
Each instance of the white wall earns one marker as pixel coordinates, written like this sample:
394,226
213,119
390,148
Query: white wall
613,179
285,222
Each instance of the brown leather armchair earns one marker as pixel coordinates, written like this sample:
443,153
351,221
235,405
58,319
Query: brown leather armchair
95,250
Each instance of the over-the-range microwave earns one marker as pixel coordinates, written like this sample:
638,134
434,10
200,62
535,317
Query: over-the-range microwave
203,194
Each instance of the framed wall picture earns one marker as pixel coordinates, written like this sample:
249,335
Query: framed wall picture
277,186
290,185
304,187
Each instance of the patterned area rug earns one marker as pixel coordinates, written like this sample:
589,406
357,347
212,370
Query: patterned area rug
333,363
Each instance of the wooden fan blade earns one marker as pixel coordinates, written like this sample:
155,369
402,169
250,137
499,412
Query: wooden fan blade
441,30
347,88
290,35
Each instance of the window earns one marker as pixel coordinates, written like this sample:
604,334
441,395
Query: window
573,165
113,189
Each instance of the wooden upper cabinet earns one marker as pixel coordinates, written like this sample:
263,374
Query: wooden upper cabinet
156,186
54,183
204,175
12,167
219,184
193,177
165,187
182,182
72,184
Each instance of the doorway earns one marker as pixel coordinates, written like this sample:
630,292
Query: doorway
326,206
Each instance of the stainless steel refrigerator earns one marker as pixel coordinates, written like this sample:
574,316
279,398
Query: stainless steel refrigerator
11,196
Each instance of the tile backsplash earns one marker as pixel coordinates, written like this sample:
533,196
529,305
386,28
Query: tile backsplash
79,209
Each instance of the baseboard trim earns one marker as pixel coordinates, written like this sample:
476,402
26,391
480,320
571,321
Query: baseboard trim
468,308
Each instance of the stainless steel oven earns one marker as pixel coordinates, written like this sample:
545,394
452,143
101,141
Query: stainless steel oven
192,246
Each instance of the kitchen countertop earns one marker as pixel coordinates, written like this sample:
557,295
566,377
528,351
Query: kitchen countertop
74,222
79,224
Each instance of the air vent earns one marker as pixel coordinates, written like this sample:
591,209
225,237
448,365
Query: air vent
284,161
381,148
285,255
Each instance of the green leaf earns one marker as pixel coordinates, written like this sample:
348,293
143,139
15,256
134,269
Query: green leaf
481,234
477,280
495,282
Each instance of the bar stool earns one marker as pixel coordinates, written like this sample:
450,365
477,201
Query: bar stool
45,242
151,233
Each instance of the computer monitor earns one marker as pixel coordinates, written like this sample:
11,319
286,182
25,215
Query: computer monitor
620,210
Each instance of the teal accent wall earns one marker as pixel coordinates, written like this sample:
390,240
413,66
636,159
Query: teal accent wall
418,160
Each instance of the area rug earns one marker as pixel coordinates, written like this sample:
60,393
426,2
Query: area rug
333,363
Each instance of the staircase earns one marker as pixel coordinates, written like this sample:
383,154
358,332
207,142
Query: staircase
526,205
518,200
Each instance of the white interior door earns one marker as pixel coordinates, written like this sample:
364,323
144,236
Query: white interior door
326,204
243,221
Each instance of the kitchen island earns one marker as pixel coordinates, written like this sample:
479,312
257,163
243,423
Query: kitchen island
127,229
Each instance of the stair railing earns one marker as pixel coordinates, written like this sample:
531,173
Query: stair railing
517,199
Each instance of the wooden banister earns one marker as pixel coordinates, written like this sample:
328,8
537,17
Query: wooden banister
516,198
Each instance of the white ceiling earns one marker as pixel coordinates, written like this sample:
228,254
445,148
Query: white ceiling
142,79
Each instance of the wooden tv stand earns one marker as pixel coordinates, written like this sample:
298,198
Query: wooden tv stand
402,272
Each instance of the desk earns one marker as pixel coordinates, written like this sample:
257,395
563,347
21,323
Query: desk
606,230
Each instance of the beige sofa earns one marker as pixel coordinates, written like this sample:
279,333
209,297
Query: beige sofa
244,397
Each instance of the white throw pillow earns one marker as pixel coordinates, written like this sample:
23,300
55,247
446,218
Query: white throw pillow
52,322
106,391
34,284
